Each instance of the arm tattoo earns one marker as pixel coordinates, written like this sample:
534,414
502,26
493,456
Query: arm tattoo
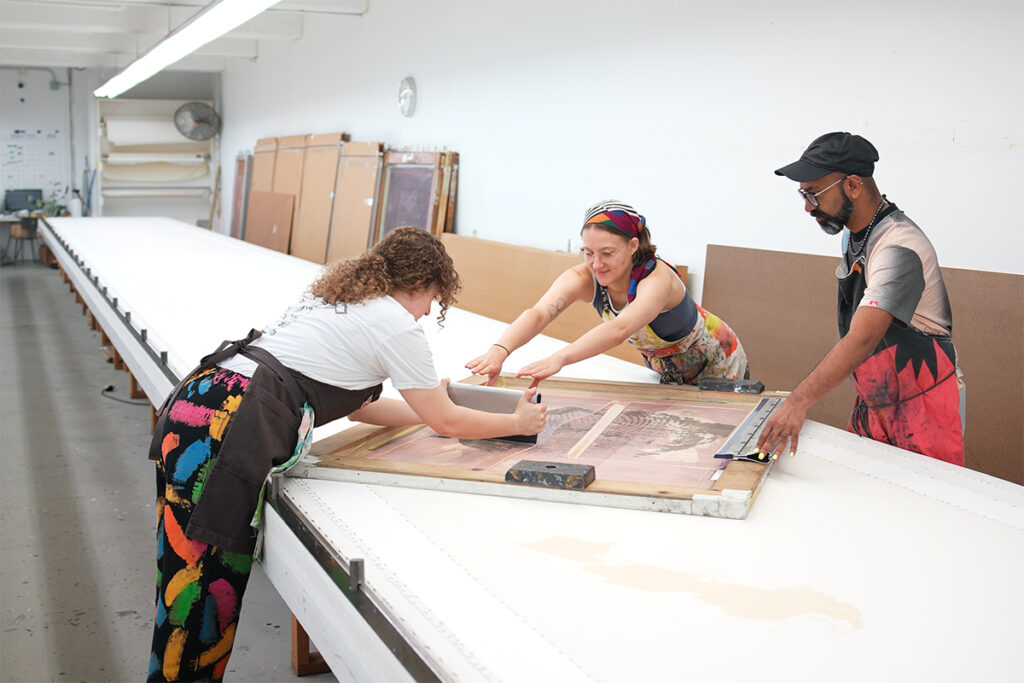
554,310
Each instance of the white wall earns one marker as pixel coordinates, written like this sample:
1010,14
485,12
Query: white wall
683,109
72,110
28,103
85,127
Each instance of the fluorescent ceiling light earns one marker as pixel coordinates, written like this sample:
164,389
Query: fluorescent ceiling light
207,25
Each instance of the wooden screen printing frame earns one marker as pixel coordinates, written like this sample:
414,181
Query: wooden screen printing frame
342,458
422,198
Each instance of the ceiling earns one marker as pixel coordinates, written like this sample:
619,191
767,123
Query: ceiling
112,33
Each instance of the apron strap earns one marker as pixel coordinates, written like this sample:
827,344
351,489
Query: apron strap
264,357
226,349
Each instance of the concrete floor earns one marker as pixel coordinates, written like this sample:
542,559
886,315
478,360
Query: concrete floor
77,519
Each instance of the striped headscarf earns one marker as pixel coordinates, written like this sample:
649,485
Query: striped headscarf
625,220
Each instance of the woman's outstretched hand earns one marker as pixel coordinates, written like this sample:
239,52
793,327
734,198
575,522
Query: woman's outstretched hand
540,370
488,363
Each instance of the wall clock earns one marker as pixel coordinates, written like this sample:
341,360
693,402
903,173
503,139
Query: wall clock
407,96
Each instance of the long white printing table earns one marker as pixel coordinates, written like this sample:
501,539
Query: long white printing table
857,562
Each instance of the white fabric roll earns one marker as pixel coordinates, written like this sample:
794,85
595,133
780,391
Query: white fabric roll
156,172
156,192
150,157
125,131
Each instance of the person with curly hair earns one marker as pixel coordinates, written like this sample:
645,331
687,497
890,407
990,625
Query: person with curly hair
641,299
249,408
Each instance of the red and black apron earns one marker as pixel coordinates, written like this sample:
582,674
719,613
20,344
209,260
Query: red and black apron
907,390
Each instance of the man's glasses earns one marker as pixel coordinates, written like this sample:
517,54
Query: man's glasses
812,199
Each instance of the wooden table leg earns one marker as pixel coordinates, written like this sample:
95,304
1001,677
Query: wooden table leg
305,662
133,387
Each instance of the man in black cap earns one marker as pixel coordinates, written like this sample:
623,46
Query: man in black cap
895,323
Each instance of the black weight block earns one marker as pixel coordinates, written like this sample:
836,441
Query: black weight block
555,475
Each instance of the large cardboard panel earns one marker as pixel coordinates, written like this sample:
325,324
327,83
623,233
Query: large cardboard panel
320,169
292,142
266,145
988,329
503,280
318,139
783,307
270,220
288,166
355,196
262,173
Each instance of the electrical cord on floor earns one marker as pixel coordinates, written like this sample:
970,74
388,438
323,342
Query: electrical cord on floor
105,393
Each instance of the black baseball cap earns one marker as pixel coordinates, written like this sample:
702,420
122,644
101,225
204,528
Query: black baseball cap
833,152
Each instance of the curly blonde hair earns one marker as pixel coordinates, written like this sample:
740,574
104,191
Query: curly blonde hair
407,259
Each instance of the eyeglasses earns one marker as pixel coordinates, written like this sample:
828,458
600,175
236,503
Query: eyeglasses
812,199
605,254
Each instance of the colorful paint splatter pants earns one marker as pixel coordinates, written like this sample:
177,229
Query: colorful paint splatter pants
712,349
199,586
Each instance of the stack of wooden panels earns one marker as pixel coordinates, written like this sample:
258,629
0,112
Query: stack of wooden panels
323,198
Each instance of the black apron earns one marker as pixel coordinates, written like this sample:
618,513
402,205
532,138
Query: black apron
261,435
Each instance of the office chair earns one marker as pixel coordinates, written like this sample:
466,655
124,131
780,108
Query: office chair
24,231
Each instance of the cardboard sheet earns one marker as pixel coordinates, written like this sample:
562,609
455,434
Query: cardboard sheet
288,167
355,195
316,197
270,220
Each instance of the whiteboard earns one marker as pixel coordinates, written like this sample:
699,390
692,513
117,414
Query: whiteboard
36,159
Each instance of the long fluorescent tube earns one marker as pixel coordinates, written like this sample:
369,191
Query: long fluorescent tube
208,24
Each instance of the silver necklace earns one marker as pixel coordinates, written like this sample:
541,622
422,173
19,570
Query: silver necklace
867,233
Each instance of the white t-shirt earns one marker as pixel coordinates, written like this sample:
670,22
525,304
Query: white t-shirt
352,346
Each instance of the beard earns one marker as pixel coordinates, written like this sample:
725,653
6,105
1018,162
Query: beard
832,224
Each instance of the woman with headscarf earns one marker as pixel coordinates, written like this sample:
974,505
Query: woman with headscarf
249,409
641,299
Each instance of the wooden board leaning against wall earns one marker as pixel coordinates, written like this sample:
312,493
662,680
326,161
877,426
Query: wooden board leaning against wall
268,216
288,167
355,200
316,196
788,324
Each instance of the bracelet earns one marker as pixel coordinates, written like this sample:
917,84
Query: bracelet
507,352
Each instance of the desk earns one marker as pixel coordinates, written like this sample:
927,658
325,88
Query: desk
858,562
